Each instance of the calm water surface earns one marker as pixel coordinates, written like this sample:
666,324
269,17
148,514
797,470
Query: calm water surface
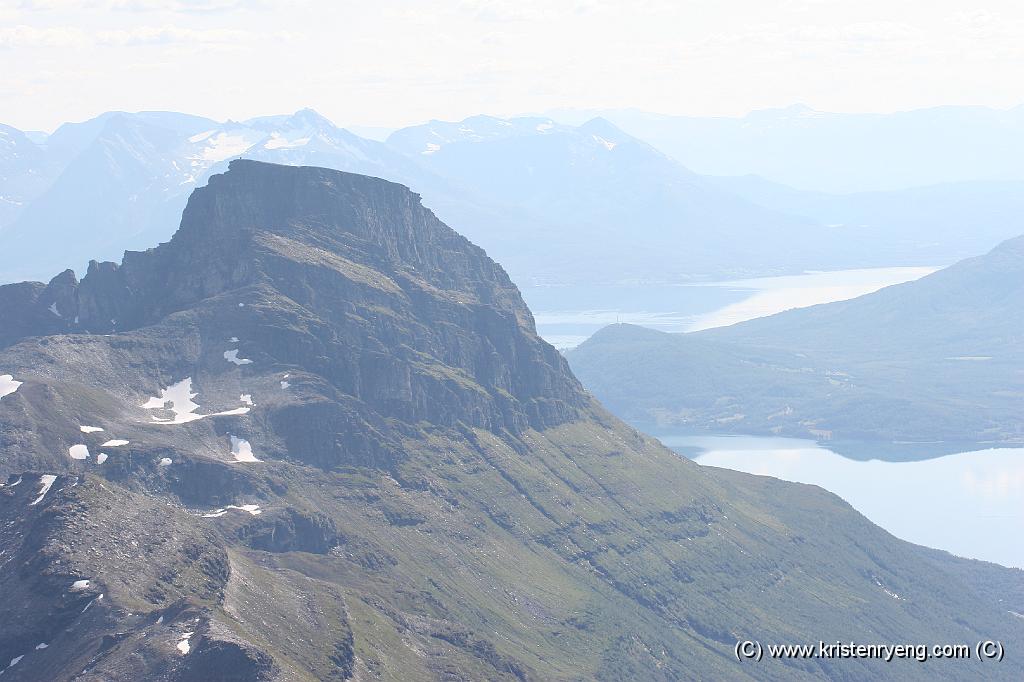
567,316
968,503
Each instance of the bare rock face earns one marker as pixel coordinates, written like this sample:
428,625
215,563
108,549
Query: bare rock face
316,437
386,311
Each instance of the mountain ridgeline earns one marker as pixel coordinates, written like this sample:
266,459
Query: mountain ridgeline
555,204
316,437
839,152
940,357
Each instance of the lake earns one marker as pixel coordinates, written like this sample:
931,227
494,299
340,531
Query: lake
568,315
968,503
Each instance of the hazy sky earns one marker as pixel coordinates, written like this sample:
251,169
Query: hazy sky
391,62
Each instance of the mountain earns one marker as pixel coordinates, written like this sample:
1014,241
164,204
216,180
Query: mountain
556,204
333,447
940,357
621,209
932,224
23,171
838,152
116,190
119,182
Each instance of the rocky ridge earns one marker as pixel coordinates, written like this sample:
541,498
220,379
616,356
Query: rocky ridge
315,436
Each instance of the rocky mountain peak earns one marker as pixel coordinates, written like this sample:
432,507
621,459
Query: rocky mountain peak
342,279
315,437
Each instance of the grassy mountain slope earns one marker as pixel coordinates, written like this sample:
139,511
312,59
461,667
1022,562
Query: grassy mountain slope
938,358
437,496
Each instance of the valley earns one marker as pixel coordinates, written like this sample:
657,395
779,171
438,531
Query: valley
353,456
511,341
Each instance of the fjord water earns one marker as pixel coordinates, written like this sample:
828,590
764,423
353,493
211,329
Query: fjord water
567,315
968,503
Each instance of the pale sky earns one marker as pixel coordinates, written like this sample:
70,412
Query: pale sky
395,62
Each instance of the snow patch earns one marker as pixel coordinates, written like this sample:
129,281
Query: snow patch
276,141
180,397
609,145
165,462
101,458
545,127
232,356
8,385
431,148
253,509
41,645
90,429
241,450
285,385
114,443
183,645
223,146
233,339
79,585
229,413
14,661
246,398
96,599
47,482
201,136
53,309
888,591
78,452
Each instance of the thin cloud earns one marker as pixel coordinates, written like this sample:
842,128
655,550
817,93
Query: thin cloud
168,6
69,36
189,6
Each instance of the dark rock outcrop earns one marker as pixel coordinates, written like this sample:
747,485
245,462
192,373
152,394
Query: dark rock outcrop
333,447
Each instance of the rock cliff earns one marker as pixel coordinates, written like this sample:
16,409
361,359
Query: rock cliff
316,437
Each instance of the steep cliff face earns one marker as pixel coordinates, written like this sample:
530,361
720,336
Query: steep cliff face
315,436
345,282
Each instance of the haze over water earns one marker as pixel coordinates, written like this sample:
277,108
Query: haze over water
692,307
967,503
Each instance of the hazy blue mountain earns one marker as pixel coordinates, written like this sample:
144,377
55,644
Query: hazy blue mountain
622,210
121,189
557,204
938,358
119,181
933,224
835,152
24,172
315,436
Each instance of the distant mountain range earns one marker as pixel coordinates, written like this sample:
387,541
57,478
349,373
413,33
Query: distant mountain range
315,436
120,181
938,358
617,204
557,204
836,152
